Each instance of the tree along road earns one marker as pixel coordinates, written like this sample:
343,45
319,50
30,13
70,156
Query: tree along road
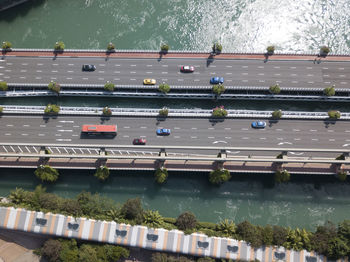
132,71
184,132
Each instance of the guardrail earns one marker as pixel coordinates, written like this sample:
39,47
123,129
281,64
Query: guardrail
146,112
169,52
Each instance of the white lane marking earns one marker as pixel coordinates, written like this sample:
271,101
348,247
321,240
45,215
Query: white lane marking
245,138
24,134
347,131
41,134
22,77
164,65
261,74
314,139
132,79
276,67
132,72
244,66
176,137
341,75
76,126
55,64
343,83
70,71
220,141
66,121
284,143
42,125
102,65
244,74
296,130
63,130
143,127
38,77
39,71
164,79
295,82
193,137
196,80
211,128
313,130
164,72
310,75
180,80
228,137
126,126
309,67
297,154
325,75
101,72
331,140
245,129
228,73
211,137
341,68
58,134
212,66
116,72
292,67
330,131
23,71
149,72
116,65
125,136
260,67
7,134
310,82
325,68
228,66
213,73
177,128
6,63
194,128
149,65
9,125
132,65
26,125
71,64
227,128
297,139
279,129
85,78
64,139
262,81
263,138
245,80
277,74
24,64
69,78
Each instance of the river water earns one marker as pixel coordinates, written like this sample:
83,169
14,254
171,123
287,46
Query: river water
306,201
241,26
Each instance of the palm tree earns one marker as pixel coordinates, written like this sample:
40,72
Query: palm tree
226,227
114,214
152,219
17,196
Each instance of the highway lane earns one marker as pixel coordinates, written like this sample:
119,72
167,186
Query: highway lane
124,71
196,132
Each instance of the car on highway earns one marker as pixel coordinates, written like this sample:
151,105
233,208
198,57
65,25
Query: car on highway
139,141
87,67
216,80
163,131
149,81
187,69
258,124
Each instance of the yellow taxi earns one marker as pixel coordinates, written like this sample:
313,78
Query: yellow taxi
149,81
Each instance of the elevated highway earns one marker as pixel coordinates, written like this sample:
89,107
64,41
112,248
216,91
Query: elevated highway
132,71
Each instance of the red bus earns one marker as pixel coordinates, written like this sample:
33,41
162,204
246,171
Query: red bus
110,130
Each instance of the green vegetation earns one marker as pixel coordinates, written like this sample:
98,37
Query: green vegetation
1,109
219,112
324,50
6,45
164,257
218,89
102,173
106,111
277,114
275,89
219,176
59,46
163,112
3,86
329,91
270,49
46,173
217,48
68,250
109,86
164,48
54,87
52,109
161,175
110,47
333,114
340,157
329,240
282,176
342,175
186,220
164,88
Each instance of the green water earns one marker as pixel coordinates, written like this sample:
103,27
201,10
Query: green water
306,201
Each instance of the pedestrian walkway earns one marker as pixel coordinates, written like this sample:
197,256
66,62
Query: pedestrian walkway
131,54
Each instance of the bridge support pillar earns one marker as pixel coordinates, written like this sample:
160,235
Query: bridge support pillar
219,164
162,152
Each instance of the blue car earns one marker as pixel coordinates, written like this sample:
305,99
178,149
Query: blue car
163,132
258,124
216,80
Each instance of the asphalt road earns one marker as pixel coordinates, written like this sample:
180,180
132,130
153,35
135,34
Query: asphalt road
125,71
189,132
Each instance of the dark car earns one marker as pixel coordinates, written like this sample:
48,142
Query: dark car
139,141
187,69
216,80
163,132
89,68
258,124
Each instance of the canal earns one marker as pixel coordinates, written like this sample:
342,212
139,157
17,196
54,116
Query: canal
306,201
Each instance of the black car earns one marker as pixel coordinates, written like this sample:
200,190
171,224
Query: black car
89,68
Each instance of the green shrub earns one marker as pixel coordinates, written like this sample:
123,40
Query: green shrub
277,114
217,48
218,89
6,45
164,88
46,173
161,175
109,87
106,111
340,157
170,220
3,86
152,219
54,87
333,114
250,233
187,220
282,176
342,175
206,225
270,49
329,91
70,251
132,209
219,112
1,109
279,235
163,112
324,50
164,48
275,89
51,250
52,109
298,239
59,46
205,259
110,47
219,176
102,173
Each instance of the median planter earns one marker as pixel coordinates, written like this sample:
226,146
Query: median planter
109,87
334,115
219,112
106,111
6,46
329,91
54,87
52,109
3,86
59,47
275,89
163,112
270,50
324,50
110,47
164,48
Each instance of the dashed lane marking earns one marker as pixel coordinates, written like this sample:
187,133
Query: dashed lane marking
64,139
9,125
193,137
24,134
41,134
313,130
7,134
176,137
211,137
314,139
